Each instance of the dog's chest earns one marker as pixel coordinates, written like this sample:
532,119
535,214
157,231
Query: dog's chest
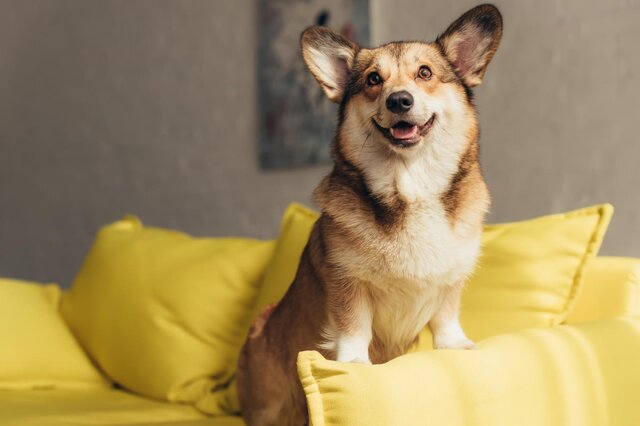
409,263
414,270
425,250
424,245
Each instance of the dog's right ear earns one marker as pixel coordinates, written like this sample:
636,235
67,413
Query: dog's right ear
329,57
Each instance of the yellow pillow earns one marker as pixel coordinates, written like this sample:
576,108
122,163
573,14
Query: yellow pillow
165,314
529,273
586,374
295,229
37,351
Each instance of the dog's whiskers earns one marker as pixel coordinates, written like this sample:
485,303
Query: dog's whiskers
366,139
369,129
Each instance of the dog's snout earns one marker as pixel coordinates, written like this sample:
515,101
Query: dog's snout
399,102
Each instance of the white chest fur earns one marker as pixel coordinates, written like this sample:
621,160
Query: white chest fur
409,273
426,248
407,269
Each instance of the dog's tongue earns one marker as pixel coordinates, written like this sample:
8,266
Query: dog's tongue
404,131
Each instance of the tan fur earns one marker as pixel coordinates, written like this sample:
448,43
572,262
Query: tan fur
400,226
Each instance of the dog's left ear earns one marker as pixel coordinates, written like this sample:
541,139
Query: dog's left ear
471,41
329,57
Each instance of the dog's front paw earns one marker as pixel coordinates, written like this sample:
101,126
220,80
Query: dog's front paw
453,344
360,361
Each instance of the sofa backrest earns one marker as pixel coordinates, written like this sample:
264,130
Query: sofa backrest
611,288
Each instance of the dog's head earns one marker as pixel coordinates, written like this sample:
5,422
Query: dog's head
404,95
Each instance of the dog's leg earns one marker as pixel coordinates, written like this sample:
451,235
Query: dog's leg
265,385
445,326
353,321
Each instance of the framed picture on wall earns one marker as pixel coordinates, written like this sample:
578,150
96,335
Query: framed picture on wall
297,121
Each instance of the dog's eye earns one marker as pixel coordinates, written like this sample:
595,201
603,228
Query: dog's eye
424,72
374,79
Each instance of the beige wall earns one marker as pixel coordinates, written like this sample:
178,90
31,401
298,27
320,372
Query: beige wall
559,107
149,107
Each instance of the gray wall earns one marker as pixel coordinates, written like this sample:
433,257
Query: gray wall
149,107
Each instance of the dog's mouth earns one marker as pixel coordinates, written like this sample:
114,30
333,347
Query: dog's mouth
405,134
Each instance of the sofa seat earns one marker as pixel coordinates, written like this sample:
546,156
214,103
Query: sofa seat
97,407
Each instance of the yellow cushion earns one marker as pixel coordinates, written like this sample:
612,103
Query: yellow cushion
98,407
37,351
611,288
295,229
165,314
586,375
529,273
218,402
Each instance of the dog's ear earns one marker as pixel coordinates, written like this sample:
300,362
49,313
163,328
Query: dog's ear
329,57
471,41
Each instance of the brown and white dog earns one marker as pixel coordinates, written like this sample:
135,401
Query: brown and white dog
402,212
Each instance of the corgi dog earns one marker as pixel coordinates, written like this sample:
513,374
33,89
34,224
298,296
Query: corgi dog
401,212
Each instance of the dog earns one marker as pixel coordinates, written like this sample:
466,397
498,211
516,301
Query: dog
401,212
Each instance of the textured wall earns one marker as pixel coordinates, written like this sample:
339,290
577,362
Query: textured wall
149,107
129,106
559,107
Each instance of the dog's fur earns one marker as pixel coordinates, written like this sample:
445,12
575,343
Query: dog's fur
401,219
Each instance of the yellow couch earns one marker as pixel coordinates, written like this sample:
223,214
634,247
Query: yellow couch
585,371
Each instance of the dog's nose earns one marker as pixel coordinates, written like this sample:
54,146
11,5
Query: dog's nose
399,102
